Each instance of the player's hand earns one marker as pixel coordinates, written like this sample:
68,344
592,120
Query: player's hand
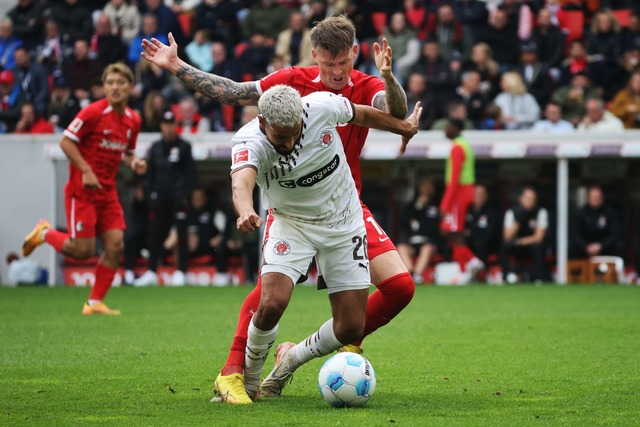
414,121
159,53
139,166
383,56
249,222
90,180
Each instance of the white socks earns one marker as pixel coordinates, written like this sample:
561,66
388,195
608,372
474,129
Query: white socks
258,346
319,344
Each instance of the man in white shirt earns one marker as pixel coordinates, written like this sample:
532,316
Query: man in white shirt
294,153
599,120
553,122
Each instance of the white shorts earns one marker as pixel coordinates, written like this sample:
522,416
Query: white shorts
341,252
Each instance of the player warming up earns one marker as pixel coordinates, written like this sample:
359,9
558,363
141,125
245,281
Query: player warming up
294,153
334,51
102,135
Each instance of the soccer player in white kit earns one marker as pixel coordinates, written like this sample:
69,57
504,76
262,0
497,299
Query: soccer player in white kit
294,153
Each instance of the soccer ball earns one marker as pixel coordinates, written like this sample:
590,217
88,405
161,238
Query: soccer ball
346,380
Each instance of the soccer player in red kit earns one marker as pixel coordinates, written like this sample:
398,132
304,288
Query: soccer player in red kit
334,52
102,135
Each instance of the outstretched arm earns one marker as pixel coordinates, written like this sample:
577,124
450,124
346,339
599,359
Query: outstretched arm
220,89
242,183
372,118
394,99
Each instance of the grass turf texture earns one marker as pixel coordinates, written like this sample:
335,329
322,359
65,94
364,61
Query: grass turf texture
457,356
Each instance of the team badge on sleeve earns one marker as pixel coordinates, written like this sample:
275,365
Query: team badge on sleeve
281,247
241,156
326,138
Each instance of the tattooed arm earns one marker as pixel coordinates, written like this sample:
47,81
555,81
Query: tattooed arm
394,99
221,89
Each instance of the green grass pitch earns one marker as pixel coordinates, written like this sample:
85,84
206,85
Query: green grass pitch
457,356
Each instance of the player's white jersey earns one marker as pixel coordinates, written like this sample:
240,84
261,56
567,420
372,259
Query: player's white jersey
313,184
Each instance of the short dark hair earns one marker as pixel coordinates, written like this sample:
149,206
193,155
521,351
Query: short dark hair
456,123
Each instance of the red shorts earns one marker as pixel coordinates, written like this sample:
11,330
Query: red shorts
454,221
91,218
377,240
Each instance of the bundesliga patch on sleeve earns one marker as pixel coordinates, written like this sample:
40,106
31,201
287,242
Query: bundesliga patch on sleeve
241,156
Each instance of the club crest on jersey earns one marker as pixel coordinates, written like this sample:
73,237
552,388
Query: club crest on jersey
326,138
79,226
241,156
281,247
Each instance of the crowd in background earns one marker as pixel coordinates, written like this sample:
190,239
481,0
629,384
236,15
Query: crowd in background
543,65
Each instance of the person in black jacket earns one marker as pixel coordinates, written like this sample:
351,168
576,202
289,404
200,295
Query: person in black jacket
598,229
525,227
172,176
484,222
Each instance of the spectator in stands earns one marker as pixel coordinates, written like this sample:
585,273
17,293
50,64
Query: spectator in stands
360,13
31,122
63,106
136,235
631,34
12,99
220,18
442,79
524,230
419,230
483,225
181,6
33,80
149,30
519,108
549,40
73,19
125,19
166,20
9,42
492,118
172,176
535,73
474,99
454,39
199,50
626,104
605,48
473,14
598,227
149,77
456,109
552,122
249,112
80,70
294,44
317,10
189,120
25,271
416,15
256,58
417,91
106,47
598,120
153,108
53,50
520,17
266,17
576,62
481,61
503,39
573,97
27,21
404,43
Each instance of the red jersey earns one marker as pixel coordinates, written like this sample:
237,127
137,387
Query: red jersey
102,136
361,89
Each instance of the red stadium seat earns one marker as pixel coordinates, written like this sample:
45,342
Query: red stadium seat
184,19
572,23
379,21
622,15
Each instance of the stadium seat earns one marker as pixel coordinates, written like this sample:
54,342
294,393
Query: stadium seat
379,20
184,19
572,24
622,15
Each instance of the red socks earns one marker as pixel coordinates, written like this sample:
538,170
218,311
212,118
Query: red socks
462,255
55,238
391,297
104,277
235,361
